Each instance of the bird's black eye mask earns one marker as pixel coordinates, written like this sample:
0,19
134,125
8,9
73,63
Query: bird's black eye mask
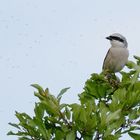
115,38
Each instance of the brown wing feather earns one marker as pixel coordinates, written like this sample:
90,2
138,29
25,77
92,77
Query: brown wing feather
107,60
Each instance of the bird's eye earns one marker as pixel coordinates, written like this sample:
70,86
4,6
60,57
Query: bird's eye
116,38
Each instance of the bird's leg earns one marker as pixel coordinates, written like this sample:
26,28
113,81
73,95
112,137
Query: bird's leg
112,78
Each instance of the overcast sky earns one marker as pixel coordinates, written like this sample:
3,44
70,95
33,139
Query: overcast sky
57,44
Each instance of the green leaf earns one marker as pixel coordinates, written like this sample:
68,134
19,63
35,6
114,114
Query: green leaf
118,99
38,87
137,57
68,113
62,92
75,109
134,135
11,133
19,133
41,127
82,115
24,138
91,123
135,77
86,137
91,88
133,114
133,98
130,64
59,134
103,114
71,136
14,125
114,126
113,116
23,118
52,99
51,108
110,137
39,110
62,106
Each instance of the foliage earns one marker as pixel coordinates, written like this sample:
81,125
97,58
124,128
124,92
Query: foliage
108,109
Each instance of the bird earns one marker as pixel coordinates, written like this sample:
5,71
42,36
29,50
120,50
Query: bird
117,55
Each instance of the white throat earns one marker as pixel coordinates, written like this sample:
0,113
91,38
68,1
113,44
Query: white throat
115,43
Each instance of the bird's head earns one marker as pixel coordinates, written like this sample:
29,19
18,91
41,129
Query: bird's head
117,40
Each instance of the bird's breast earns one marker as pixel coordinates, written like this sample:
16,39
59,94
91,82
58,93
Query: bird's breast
119,57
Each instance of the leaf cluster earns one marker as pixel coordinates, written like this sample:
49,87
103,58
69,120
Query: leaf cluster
108,109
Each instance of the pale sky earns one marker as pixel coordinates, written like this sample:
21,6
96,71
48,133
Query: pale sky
57,44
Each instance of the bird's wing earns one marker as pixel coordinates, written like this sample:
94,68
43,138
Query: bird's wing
107,60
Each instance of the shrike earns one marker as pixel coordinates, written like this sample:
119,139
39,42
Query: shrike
117,55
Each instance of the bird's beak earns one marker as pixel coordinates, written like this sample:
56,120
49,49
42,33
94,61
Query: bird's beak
109,38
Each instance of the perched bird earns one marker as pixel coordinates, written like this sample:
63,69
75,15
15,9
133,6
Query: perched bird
117,55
